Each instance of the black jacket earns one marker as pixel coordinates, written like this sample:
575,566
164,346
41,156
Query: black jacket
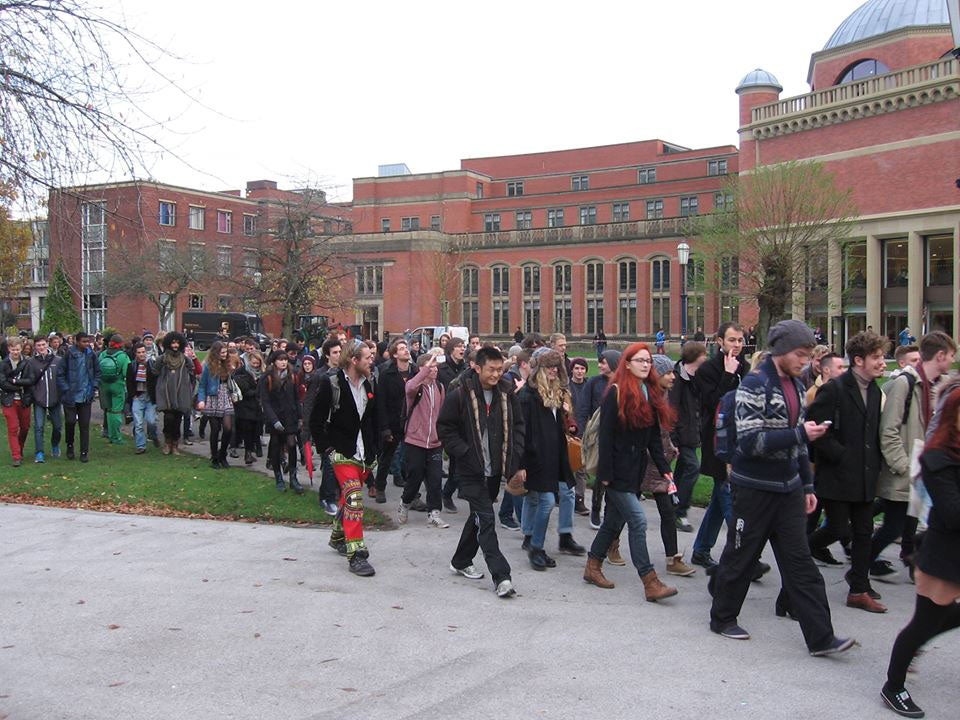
848,455
280,401
940,551
579,393
459,428
622,461
391,410
684,397
132,381
249,407
713,382
45,391
341,433
544,445
596,387
449,371
16,381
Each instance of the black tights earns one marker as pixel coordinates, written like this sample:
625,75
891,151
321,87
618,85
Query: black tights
928,621
668,525
218,424
279,441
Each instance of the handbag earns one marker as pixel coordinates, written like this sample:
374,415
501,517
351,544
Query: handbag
575,453
236,394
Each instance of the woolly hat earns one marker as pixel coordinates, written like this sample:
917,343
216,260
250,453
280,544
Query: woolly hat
788,335
662,364
580,361
545,357
612,357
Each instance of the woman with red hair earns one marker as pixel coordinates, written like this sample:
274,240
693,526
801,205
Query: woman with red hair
937,572
630,416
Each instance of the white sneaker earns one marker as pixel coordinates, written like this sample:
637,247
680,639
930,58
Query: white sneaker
506,590
469,572
403,512
434,520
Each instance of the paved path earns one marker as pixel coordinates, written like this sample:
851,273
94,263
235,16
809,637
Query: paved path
117,616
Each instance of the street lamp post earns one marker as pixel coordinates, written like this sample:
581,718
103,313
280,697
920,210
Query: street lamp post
683,253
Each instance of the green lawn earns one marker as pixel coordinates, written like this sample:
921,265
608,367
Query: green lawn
116,479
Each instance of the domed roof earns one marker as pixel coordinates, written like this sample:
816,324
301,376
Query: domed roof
876,17
759,78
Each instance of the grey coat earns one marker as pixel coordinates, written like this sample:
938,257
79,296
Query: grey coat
896,436
174,387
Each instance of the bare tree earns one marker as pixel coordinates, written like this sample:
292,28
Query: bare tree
447,265
781,215
70,104
15,240
160,272
300,257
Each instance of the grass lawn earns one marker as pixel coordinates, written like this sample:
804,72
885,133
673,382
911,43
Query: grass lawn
116,480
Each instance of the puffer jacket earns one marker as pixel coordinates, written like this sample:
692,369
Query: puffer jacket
45,392
897,436
421,427
78,376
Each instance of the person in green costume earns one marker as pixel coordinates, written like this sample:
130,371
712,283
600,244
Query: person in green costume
113,387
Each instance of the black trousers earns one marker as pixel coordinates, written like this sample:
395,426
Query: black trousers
896,524
668,526
171,425
72,414
384,462
852,520
248,432
479,530
780,518
423,466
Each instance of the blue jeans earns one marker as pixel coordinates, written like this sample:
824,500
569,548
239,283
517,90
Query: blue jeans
536,516
144,417
685,476
568,499
719,509
623,508
40,414
511,505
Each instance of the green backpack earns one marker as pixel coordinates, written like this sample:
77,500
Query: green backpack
109,369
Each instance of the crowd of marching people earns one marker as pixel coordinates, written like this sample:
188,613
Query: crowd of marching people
804,448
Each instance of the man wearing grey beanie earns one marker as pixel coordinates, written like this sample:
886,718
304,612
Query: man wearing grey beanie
771,471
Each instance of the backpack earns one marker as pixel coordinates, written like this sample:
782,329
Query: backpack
725,422
590,444
911,383
109,369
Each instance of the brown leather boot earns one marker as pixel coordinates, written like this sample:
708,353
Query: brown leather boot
655,590
593,574
613,553
863,601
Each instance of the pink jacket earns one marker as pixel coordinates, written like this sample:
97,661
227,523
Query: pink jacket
422,419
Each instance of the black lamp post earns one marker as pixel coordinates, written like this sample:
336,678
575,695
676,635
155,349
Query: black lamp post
683,253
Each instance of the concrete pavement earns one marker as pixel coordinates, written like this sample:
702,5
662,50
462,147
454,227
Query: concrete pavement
108,616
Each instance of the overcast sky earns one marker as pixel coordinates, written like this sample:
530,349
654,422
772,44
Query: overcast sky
326,91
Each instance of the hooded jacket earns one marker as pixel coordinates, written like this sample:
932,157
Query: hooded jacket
421,427
78,376
461,422
45,392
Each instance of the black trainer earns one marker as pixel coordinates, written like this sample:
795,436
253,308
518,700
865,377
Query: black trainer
824,558
837,645
595,518
339,545
525,545
882,570
900,702
70,454
703,560
538,559
360,566
732,631
449,505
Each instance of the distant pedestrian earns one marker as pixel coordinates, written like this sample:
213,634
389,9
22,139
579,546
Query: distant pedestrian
174,392
16,377
78,378
46,398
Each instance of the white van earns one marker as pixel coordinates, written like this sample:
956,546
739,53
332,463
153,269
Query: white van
430,336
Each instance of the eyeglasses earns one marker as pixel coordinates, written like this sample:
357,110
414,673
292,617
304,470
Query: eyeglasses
641,361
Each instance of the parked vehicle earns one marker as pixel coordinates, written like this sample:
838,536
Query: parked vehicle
313,329
203,328
429,336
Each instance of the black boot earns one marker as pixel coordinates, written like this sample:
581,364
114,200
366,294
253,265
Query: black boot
278,474
294,483
248,458
526,543
570,546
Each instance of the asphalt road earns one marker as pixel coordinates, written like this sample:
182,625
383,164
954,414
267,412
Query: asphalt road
114,616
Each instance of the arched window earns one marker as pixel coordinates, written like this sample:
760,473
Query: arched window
562,298
594,295
531,298
627,296
660,294
862,69
470,295
501,299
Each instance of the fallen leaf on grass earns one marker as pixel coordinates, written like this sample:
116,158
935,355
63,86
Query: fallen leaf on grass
113,627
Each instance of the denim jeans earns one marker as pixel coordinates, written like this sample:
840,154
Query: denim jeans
719,509
511,505
144,418
568,500
685,475
40,415
536,516
623,508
